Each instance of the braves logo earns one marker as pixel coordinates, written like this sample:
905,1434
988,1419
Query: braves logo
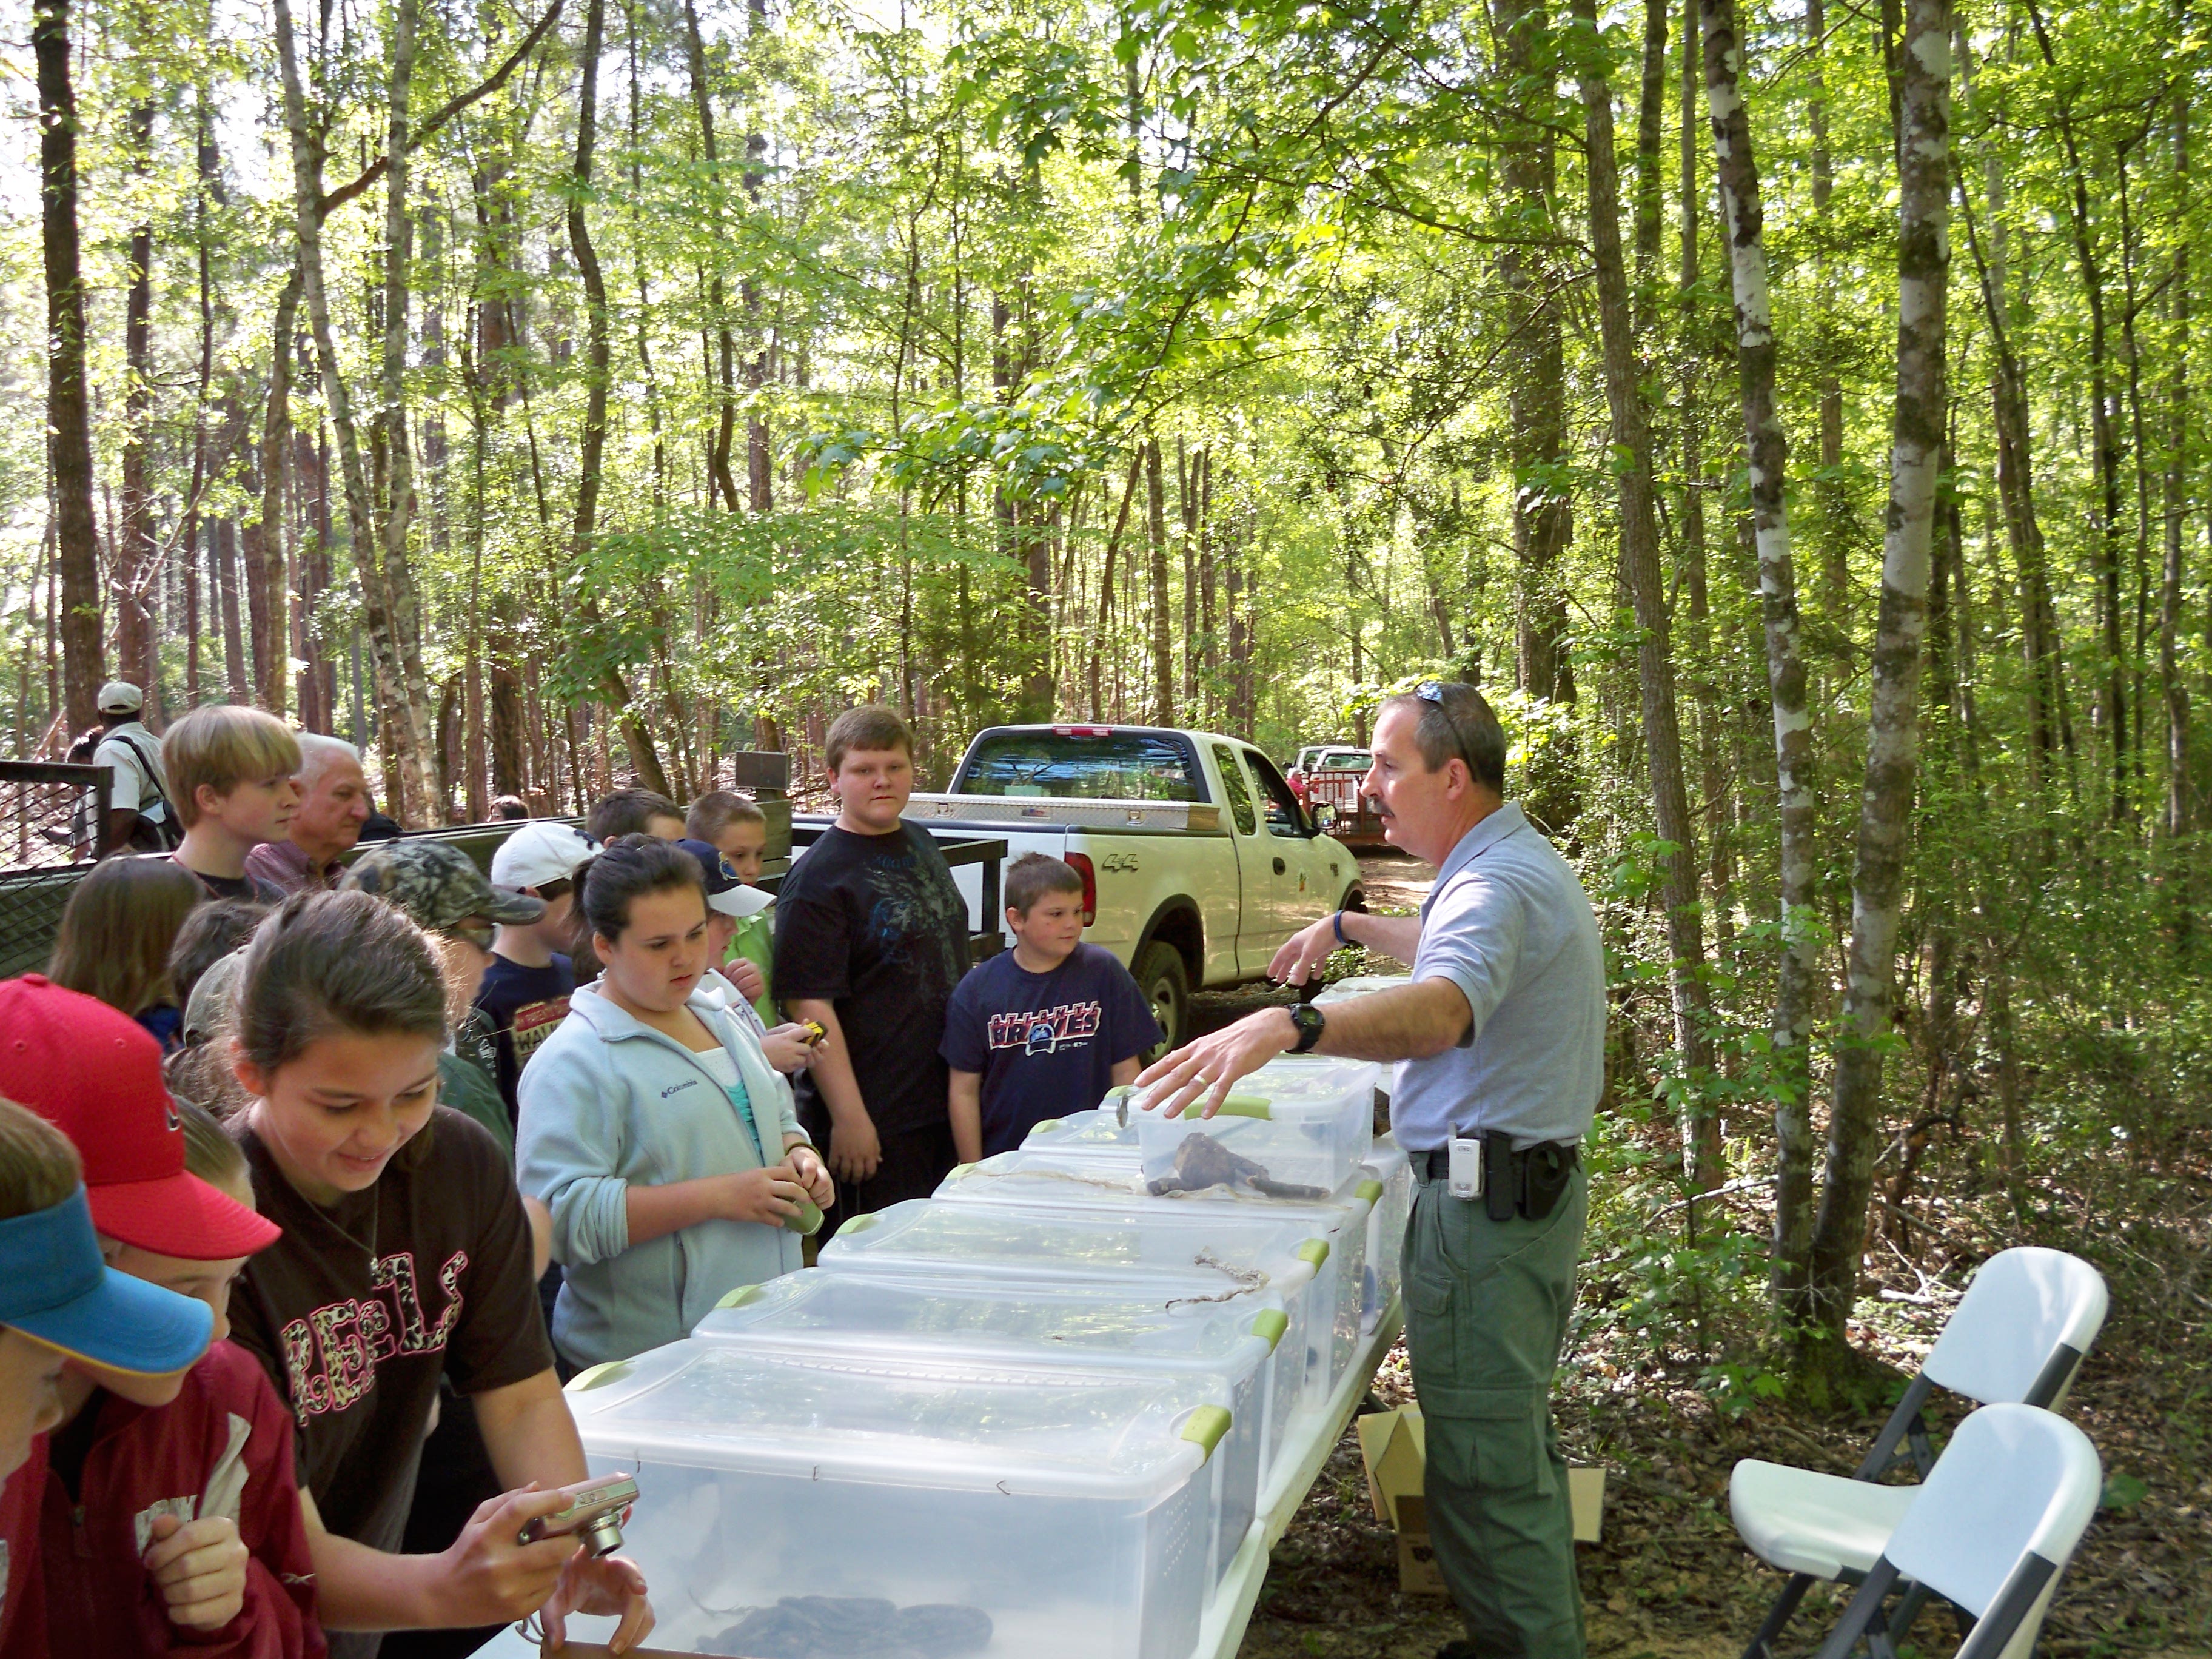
1047,1031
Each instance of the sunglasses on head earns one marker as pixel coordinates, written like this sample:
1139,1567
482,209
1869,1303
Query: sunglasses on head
1433,691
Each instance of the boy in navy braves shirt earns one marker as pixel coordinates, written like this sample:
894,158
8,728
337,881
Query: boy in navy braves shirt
1042,1029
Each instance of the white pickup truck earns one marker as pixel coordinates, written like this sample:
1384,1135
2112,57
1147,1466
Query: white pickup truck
1197,860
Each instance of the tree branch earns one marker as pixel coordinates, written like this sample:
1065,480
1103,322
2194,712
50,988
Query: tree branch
489,84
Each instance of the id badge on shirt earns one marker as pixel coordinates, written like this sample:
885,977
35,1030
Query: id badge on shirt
1463,1177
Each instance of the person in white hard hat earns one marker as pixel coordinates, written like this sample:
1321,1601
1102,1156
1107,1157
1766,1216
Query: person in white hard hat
139,814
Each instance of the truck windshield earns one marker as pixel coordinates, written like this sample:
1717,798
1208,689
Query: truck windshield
1065,766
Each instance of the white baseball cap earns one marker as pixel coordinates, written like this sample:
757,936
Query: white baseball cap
121,697
543,850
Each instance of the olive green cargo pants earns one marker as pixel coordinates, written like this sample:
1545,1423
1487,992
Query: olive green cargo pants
1487,1305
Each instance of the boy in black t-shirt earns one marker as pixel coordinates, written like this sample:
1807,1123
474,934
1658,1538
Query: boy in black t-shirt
1044,1028
871,936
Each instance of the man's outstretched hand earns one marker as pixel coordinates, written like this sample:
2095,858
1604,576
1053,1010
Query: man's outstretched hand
1208,1068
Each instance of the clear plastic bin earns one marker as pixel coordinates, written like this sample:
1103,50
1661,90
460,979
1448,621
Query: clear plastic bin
1232,1346
1293,1124
1363,985
1386,1228
1190,1256
1044,1181
1100,1134
949,1506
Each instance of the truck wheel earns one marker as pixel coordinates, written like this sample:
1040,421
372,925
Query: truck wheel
1159,974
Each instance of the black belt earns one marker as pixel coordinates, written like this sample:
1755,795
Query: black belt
1528,1182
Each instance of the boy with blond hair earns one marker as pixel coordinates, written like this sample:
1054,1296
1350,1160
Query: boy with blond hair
231,771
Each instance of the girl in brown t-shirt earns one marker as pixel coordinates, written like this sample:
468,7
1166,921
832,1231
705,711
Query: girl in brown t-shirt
405,1255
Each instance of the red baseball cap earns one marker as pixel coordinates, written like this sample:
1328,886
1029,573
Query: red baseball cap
96,1074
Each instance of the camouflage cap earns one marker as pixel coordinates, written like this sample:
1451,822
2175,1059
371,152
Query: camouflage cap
436,885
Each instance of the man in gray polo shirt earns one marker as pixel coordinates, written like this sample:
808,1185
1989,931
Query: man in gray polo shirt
1500,1041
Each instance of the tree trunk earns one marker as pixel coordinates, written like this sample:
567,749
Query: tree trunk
404,731
68,418
1536,421
236,685
268,583
1678,871
1103,624
718,454
2050,727
1824,186
760,479
2175,690
1157,528
1893,735
1236,603
637,737
1766,448
2114,701
137,563
1651,189
419,751
205,186
1712,729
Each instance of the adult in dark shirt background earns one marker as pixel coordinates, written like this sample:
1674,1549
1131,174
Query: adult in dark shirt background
871,938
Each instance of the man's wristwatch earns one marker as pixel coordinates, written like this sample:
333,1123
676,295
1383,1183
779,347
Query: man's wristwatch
1310,1022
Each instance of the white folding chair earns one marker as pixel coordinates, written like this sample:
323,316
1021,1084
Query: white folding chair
1992,1529
2018,1336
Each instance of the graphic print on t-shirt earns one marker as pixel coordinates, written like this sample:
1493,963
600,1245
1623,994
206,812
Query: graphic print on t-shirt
332,1355
533,1023
1047,1031
910,913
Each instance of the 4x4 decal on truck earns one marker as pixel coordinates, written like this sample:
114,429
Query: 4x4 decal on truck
1119,863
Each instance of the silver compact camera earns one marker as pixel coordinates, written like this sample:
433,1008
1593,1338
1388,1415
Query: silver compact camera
597,1508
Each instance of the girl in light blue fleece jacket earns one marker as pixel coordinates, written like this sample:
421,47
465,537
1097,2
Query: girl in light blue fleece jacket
651,1126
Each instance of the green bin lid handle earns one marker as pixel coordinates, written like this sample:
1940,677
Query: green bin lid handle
1235,1106
859,1223
1314,1252
1045,1127
593,1376
1206,1427
741,1297
1369,1190
1269,1324
959,1169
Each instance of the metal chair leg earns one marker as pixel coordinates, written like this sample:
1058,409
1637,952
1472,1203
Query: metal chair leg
1785,1609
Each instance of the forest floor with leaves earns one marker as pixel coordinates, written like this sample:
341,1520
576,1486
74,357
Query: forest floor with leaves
1669,1579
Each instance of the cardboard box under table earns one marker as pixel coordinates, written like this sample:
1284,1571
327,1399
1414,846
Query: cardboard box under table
1395,1448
